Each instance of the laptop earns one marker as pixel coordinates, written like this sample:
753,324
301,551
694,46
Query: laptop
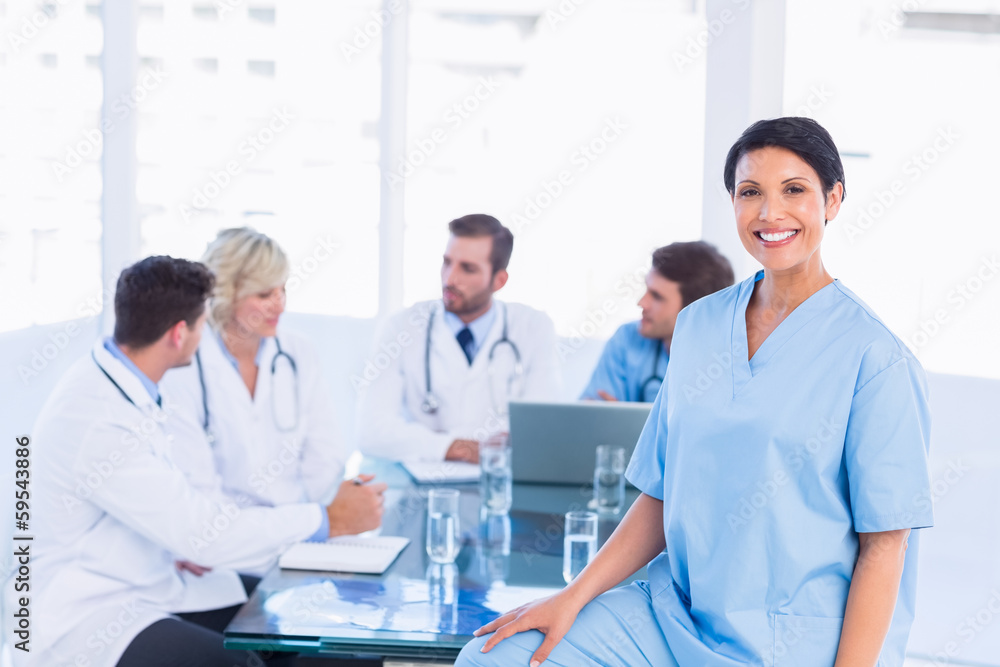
556,443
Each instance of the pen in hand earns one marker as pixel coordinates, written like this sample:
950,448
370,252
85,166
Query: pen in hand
357,507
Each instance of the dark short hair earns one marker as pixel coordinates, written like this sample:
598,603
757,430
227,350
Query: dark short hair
696,266
803,136
478,225
156,293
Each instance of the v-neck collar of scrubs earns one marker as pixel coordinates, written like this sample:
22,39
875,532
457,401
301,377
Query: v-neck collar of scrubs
745,369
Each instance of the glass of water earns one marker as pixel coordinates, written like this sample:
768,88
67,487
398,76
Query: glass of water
609,479
496,480
494,546
579,543
442,584
443,543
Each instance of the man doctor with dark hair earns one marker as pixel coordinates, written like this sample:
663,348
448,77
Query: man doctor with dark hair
462,357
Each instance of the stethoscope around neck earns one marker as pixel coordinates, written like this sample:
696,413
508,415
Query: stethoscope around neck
430,404
118,386
654,376
284,428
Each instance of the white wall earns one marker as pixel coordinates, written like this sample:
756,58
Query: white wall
959,576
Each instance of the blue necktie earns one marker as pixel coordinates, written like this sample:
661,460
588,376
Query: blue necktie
464,338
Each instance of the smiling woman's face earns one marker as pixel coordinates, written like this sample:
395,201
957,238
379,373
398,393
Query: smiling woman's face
781,209
258,314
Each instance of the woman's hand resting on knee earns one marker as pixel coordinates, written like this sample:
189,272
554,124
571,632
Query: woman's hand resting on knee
636,541
552,616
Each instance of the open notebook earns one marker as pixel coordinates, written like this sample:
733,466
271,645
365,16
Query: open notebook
362,555
442,472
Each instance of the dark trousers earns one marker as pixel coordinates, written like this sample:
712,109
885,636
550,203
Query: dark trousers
195,640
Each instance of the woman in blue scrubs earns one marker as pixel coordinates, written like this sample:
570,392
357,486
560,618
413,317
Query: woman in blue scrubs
781,470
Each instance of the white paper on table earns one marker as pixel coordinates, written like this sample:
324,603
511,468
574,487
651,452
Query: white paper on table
442,472
361,555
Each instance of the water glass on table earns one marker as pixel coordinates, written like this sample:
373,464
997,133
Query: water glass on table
494,546
579,543
609,479
443,541
496,478
442,583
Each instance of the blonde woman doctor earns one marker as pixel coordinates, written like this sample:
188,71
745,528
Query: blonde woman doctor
259,395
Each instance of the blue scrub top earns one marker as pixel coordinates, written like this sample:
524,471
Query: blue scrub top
625,369
769,468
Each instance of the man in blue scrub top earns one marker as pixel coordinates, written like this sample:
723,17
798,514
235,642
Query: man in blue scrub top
634,361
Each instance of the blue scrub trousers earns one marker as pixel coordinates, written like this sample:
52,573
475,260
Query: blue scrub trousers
616,629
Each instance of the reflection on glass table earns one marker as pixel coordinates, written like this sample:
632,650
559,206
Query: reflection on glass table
419,608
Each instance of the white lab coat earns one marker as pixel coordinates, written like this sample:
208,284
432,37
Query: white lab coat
393,382
111,512
258,462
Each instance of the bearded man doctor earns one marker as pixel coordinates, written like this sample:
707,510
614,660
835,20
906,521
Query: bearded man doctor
459,359
113,511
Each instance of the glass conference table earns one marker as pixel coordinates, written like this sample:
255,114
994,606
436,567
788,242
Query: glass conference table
418,609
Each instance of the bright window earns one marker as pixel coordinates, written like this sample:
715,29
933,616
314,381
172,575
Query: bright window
263,120
50,153
574,125
908,101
